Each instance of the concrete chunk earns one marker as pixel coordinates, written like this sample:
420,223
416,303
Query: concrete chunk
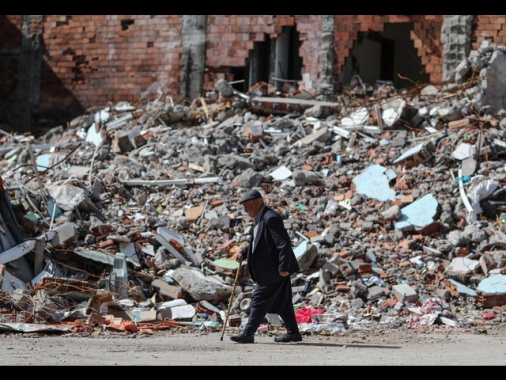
405,293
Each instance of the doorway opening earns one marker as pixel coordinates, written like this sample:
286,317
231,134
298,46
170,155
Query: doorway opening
385,56
276,61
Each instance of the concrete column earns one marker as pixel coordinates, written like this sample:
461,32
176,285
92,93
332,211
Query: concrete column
326,57
456,41
194,55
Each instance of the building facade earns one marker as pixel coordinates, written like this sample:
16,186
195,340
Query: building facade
54,67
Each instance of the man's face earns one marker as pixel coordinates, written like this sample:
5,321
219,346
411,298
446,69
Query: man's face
252,207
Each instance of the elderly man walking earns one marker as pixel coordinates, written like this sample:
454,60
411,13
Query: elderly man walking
271,261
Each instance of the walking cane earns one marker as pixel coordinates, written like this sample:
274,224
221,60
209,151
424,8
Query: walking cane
230,300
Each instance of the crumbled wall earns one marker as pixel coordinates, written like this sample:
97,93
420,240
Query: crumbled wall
489,30
426,35
230,38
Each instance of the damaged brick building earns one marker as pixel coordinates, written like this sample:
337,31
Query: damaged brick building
53,67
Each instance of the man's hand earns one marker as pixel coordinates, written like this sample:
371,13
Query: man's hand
238,257
284,274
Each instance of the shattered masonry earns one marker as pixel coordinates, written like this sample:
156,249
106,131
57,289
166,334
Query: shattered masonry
127,219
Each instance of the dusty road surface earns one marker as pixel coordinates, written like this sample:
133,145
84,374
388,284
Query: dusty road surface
389,347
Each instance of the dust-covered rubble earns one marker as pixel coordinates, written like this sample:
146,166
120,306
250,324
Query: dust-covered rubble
127,218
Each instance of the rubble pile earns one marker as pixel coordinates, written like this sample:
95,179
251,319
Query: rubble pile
127,218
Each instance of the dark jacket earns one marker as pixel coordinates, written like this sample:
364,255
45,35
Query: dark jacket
273,251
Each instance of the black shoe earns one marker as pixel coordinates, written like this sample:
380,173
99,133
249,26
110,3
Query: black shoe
297,337
243,338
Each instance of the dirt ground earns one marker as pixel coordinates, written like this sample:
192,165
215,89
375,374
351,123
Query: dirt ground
382,347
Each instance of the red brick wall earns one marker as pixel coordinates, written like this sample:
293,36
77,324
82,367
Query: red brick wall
309,27
426,36
101,58
230,38
92,59
491,28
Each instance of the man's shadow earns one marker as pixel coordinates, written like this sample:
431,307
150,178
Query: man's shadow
345,345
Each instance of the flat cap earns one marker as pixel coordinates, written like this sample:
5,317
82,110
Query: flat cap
252,194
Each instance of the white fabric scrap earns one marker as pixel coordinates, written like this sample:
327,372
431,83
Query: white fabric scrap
479,189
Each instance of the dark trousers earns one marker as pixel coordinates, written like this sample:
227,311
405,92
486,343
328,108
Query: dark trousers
273,298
